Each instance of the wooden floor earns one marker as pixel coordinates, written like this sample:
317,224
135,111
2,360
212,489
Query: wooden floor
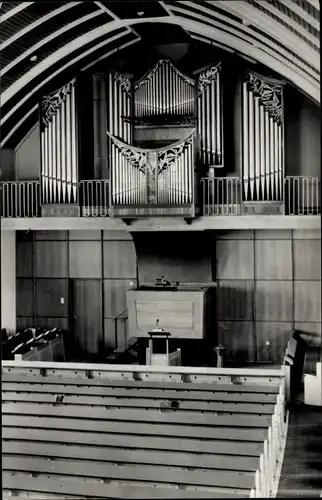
301,474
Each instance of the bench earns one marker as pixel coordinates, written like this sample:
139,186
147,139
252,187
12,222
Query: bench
122,432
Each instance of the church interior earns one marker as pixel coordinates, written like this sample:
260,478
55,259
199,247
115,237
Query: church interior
160,249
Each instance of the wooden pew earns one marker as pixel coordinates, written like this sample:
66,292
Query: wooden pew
215,435
295,358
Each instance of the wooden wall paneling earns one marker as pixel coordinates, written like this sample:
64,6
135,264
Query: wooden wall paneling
307,259
51,235
51,259
271,340
114,305
235,260
274,300
85,259
119,259
49,293
306,234
24,322
271,234
24,259
52,323
311,332
234,235
237,336
24,297
117,235
84,235
273,259
307,301
87,311
235,300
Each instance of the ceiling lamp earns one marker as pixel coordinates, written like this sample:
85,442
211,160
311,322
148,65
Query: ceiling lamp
33,58
140,13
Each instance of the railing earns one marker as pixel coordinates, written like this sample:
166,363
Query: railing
302,195
221,195
20,199
94,197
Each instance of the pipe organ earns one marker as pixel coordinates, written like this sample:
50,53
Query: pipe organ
262,140
59,164
164,91
209,122
150,181
164,106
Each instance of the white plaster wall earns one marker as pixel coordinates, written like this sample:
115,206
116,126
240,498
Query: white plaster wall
8,280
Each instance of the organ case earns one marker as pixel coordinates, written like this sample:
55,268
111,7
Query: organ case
152,132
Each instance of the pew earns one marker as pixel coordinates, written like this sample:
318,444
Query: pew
295,358
141,431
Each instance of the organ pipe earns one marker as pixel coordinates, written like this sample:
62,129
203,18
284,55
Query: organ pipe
262,109
142,176
209,110
59,170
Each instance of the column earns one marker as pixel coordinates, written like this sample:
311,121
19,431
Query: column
8,280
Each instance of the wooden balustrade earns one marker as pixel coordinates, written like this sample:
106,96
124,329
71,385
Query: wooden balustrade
220,196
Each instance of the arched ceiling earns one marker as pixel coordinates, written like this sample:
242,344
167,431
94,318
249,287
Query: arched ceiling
44,44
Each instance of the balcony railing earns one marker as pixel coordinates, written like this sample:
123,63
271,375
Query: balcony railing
94,196
220,196
20,199
302,195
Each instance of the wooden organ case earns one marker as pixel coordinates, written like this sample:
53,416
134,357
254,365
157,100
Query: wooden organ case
162,130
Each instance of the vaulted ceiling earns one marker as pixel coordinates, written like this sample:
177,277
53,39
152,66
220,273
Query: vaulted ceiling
44,44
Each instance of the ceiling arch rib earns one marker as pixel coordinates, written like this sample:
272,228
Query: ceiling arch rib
14,11
30,27
267,25
300,12
49,38
281,34
73,62
248,35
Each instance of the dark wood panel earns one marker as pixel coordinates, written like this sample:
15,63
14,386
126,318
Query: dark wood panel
87,312
49,293
307,234
84,235
119,259
52,323
85,259
307,259
24,322
273,234
117,235
307,301
310,332
116,334
235,300
234,235
274,301
273,259
237,336
179,256
51,235
115,296
235,259
24,297
51,259
271,340
24,259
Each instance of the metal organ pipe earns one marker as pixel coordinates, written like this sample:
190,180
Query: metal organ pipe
262,139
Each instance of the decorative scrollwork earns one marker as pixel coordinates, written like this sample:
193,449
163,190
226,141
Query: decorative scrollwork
52,102
207,77
136,157
270,95
123,80
169,156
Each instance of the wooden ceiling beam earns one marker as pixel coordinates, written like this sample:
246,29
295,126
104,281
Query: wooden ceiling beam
12,12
